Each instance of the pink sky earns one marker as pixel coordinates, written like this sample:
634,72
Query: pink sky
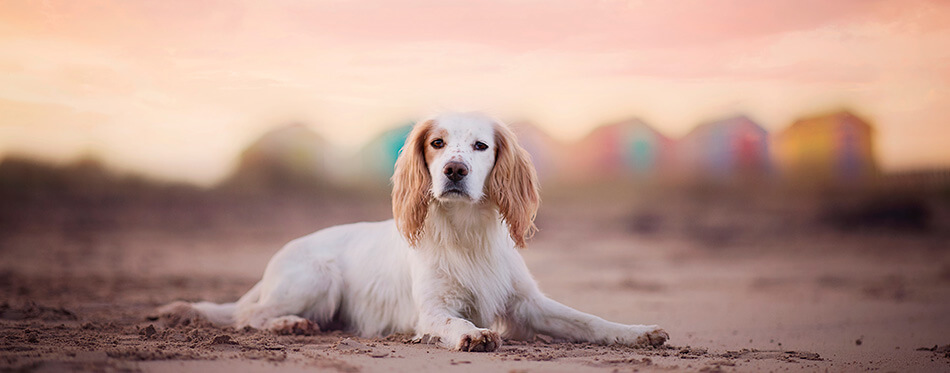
176,89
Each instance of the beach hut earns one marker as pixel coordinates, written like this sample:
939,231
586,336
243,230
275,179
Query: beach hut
546,152
630,149
832,148
727,150
378,157
288,156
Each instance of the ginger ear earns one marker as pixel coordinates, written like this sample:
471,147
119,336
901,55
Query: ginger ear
412,185
513,186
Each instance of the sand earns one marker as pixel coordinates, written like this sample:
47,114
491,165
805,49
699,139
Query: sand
737,290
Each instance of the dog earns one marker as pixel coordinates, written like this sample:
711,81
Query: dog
445,269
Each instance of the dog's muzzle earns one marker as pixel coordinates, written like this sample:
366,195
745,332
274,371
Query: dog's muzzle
455,172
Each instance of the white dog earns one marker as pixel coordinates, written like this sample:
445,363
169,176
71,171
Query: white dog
464,197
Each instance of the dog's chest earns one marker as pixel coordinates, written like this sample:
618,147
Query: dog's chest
479,292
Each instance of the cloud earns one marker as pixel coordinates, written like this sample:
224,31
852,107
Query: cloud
572,25
517,25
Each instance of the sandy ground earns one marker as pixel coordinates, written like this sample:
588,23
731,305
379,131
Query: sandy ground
738,289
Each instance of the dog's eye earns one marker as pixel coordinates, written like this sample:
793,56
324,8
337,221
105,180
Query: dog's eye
480,146
437,143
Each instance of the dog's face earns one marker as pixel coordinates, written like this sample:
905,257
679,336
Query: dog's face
459,154
464,158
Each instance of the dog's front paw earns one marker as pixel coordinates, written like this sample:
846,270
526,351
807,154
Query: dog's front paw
479,340
653,337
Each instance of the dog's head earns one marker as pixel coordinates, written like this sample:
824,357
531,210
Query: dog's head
464,158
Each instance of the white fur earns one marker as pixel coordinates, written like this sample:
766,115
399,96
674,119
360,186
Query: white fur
464,282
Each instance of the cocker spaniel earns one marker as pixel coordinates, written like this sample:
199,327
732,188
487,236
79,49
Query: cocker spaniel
464,198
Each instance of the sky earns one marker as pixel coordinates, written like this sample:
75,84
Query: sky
176,89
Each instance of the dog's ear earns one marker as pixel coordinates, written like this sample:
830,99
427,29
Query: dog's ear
412,184
513,186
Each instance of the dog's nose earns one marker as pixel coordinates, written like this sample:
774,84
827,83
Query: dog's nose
455,171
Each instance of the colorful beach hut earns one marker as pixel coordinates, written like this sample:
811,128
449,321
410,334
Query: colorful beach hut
727,150
630,149
378,157
832,148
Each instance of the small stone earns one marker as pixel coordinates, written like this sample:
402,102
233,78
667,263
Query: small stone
148,332
378,354
351,345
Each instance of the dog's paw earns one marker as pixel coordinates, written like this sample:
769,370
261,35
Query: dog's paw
479,340
177,313
292,325
655,338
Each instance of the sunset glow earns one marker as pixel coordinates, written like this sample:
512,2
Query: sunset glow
175,89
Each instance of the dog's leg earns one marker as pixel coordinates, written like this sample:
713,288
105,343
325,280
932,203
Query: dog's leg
218,314
540,314
440,316
295,295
